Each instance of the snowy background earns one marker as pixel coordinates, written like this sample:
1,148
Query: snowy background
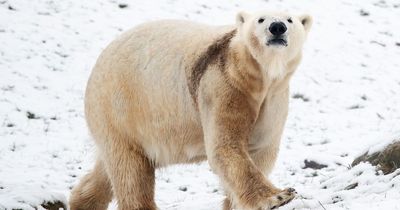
345,99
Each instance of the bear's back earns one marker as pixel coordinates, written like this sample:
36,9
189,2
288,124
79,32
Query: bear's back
139,83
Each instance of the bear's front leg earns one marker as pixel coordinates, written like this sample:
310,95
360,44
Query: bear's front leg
228,118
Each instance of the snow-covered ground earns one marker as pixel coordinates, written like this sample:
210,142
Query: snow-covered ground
346,98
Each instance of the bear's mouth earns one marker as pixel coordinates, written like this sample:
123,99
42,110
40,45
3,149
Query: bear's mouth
277,41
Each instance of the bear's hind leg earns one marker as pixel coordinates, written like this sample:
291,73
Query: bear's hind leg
131,173
227,203
93,192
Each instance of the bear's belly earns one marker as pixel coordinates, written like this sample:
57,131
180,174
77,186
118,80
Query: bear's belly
171,141
164,155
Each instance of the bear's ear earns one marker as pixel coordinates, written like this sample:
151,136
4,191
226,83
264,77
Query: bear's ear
306,20
241,17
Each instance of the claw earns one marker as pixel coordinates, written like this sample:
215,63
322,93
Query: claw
282,198
291,190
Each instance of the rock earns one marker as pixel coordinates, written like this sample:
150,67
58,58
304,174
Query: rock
183,188
11,8
314,165
31,115
122,6
300,96
54,205
351,186
387,160
364,13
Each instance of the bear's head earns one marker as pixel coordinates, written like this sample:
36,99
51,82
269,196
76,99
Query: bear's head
273,39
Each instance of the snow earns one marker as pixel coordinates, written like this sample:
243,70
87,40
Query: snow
350,76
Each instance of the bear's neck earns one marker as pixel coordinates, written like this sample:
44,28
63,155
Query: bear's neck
245,72
258,77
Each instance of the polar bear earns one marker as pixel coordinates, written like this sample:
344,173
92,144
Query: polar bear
169,92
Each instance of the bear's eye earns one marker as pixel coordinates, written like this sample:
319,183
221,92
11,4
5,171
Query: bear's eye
261,20
290,20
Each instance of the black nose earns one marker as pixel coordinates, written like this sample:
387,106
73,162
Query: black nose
277,28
